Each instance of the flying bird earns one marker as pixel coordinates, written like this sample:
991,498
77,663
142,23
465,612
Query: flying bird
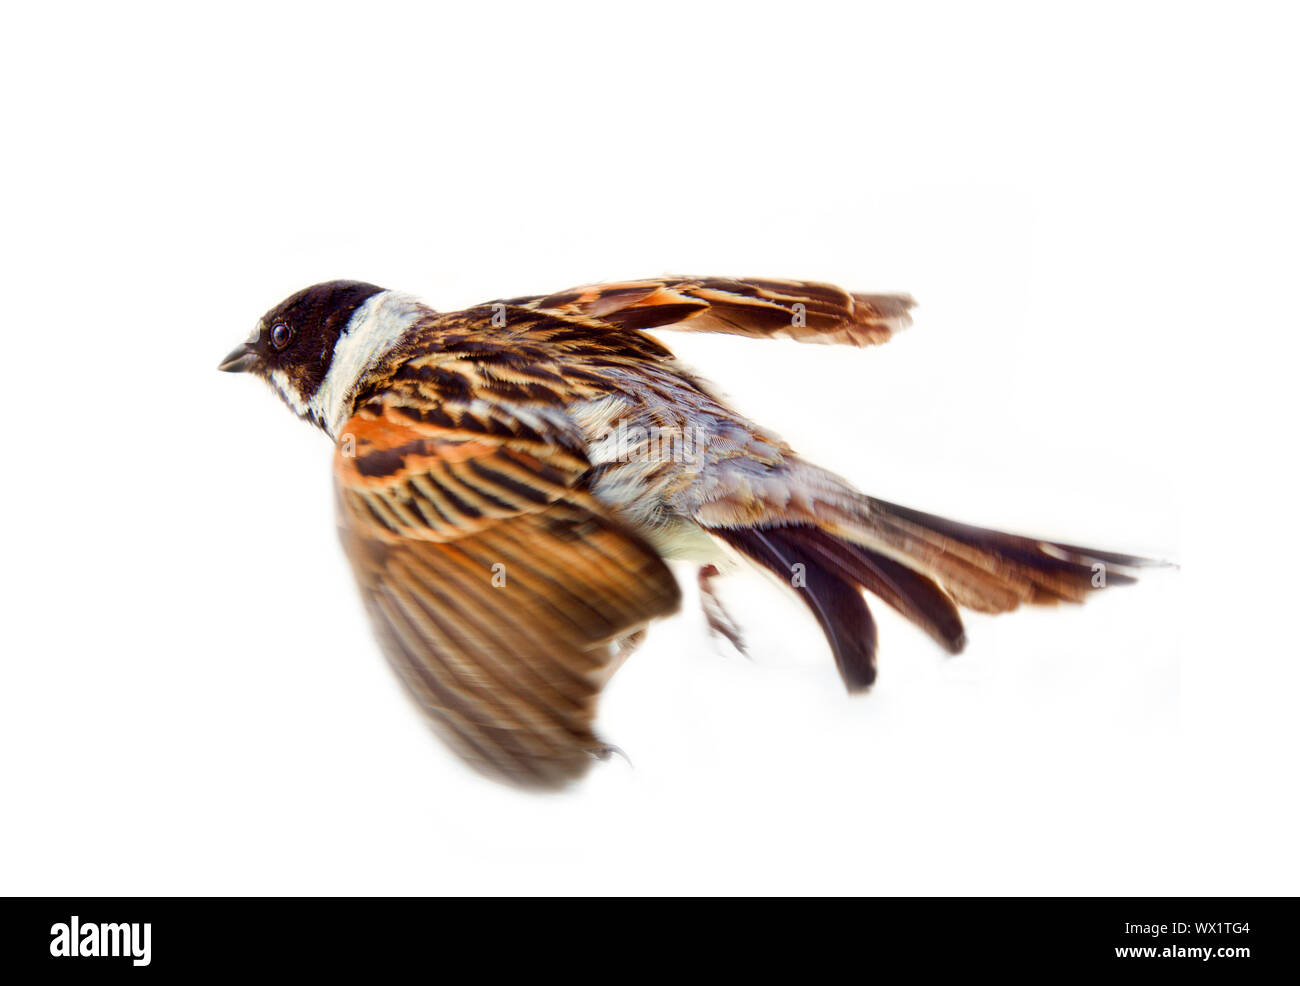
511,478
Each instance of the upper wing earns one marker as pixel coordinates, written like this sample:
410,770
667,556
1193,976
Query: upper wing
496,584
802,310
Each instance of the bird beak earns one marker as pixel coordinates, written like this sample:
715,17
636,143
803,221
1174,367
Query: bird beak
240,360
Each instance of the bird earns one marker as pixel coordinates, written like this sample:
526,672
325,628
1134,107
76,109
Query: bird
512,479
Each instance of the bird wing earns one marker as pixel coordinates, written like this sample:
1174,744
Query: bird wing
497,585
807,311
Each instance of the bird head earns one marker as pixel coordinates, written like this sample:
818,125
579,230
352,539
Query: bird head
314,347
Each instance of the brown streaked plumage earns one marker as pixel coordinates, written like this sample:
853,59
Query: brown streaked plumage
508,671
510,478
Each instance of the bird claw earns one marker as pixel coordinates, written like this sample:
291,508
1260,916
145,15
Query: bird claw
624,646
607,750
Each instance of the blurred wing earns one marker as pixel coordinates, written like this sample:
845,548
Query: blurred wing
497,585
802,310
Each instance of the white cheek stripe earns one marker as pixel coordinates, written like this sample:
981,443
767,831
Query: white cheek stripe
280,381
374,329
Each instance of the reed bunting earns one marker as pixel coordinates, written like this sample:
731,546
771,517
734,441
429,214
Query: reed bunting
511,477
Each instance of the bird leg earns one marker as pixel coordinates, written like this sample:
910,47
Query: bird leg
720,621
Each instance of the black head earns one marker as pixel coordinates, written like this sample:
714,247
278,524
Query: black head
293,344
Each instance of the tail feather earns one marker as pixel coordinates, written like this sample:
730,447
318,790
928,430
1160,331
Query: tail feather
916,596
991,571
836,603
922,565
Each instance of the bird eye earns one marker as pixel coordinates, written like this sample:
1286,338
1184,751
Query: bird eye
280,335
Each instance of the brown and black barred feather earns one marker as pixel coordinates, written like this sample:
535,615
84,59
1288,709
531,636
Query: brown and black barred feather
499,588
803,310
533,358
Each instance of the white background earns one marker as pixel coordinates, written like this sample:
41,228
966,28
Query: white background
1097,210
